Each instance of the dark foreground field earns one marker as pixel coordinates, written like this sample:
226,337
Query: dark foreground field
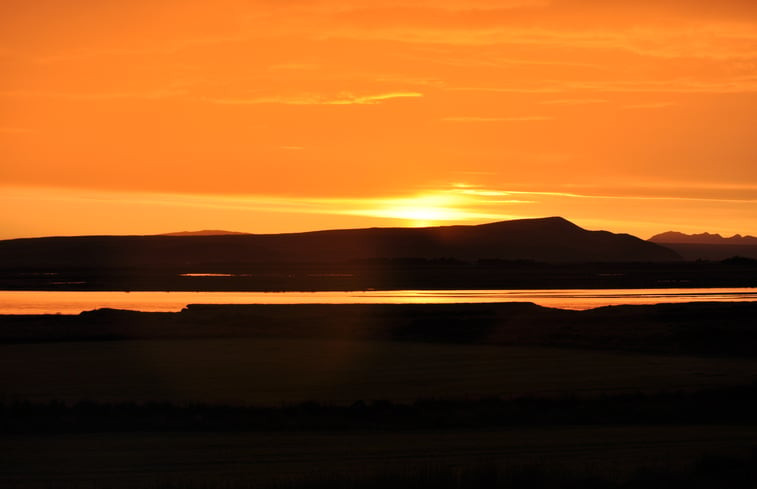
318,459
477,395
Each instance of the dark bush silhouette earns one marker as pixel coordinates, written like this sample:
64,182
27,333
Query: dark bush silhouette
726,405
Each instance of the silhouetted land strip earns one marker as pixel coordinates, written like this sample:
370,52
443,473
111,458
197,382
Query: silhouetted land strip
551,239
713,252
384,274
479,431
530,253
718,406
708,471
707,246
556,457
689,328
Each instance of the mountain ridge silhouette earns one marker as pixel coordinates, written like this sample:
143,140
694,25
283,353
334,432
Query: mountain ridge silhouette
552,239
702,238
202,232
706,246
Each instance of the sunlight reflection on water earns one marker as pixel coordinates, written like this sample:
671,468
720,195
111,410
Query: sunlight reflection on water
74,302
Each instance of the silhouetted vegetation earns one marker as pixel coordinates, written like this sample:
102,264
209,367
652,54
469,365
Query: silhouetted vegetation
41,435
740,261
726,405
710,472
695,328
707,472
712,252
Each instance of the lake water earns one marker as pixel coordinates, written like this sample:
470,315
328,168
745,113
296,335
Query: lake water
74,302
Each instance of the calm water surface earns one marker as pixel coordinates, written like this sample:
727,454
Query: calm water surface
74,302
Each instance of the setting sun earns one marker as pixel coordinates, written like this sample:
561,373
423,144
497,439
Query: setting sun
421,216
426,210
378,243
630,117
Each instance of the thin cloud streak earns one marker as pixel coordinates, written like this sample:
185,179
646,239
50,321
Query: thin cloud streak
484,191
442,206
651,105
633,197
459,199
575,101
341,99
527,118
714,40
459,203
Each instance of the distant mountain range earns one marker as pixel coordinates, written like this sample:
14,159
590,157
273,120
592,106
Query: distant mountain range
706,246
702,238
552,239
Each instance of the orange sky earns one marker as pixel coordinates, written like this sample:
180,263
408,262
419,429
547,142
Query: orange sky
152,116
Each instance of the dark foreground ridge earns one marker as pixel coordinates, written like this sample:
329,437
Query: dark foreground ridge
690,328
171,412
552,239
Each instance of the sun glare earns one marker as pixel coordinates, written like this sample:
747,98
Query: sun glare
423,210
422,216
430,209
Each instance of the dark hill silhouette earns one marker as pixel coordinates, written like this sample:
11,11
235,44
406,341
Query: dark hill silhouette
552,239
703,238
204,232
706,246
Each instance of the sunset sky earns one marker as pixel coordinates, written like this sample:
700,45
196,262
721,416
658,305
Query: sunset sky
152,116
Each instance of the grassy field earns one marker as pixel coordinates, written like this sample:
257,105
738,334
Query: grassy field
268,356
151,460
274,371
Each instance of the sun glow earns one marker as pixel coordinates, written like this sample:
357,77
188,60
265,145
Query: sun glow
138,116
128,212
426,210
148,212
421,216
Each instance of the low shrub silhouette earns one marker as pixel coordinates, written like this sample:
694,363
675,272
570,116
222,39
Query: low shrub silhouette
726,405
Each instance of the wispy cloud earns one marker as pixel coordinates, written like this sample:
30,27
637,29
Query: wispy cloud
651,192
340,99
633,30
444,205
651,105
293,67
574,101
308,99
632,197
459,203
473,119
